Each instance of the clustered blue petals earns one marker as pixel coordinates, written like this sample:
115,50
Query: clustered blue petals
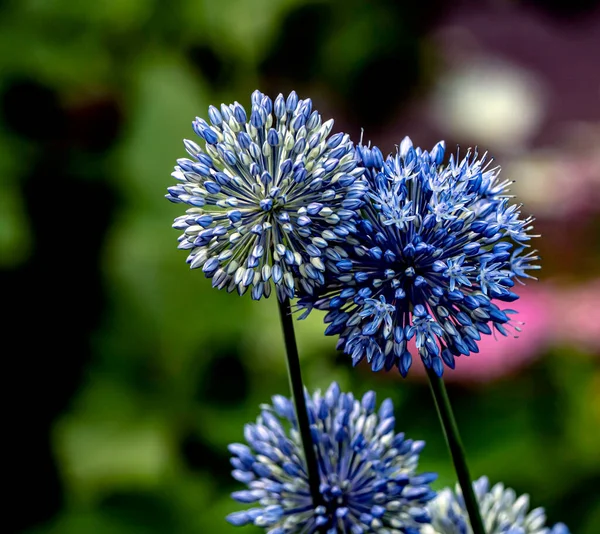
368,472
501,510
269,195
437,253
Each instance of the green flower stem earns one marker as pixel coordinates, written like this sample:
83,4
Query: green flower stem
297,389
457,451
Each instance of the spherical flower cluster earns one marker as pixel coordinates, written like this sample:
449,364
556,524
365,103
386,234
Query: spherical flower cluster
368,473
502,512
437,252
269,195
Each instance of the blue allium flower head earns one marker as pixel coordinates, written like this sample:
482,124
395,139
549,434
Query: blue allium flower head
368,472
269,195
501,510
436,255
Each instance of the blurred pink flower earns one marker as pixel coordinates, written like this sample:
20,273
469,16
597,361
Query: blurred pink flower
545,324
580,326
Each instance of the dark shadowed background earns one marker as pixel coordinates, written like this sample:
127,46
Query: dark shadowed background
126,375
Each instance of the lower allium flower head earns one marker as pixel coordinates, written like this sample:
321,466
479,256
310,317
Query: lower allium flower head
501,510
269,195
436,254
368,473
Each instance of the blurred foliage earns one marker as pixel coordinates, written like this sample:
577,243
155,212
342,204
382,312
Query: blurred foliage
129,374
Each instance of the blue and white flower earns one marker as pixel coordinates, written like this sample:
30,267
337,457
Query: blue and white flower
368,472
436,255
501,510
269,195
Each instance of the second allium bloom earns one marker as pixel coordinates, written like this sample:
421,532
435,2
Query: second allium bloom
268,195
368,472
501,510
436,256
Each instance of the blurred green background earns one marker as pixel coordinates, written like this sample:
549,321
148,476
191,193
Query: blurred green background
128,375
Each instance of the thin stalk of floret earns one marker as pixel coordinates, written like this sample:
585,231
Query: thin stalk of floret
456,449
297,391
